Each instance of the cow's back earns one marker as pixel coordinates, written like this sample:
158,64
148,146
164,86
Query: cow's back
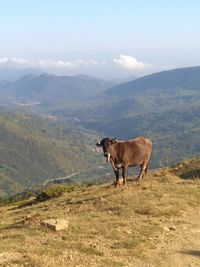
135,151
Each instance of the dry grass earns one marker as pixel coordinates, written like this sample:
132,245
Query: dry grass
108,226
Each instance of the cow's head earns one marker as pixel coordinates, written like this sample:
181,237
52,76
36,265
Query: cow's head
106,144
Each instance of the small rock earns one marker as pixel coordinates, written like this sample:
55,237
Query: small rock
56,224
29,216
165,228
172,228
127,232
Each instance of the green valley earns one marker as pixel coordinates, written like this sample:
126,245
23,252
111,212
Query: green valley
34,149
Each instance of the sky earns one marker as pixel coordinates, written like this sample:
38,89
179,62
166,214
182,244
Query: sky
103,38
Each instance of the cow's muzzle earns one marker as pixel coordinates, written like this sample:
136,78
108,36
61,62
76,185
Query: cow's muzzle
107,155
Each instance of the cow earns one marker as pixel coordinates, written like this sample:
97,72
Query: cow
124,154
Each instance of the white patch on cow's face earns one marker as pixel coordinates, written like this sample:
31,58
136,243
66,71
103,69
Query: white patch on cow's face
108,157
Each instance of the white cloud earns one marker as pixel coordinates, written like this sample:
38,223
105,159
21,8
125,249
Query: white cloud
12,62
131,63
42,63
45,63
88,66
60,64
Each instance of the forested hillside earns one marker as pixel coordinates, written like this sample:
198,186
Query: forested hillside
163,106
174,90
47,92
185,78
34,149
175,134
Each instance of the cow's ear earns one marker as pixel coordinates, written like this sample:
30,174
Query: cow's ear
113,142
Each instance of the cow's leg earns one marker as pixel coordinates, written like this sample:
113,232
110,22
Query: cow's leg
142,171
117,177
147,167
124,172
140,174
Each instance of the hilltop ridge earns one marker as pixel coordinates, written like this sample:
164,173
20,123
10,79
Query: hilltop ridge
187,77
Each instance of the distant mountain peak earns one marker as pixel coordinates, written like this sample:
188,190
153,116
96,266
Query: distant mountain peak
13,74
85,76
47,75
168,79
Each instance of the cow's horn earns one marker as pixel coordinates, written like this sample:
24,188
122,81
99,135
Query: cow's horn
98,144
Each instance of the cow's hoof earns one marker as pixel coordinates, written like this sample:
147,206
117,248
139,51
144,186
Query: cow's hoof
116,184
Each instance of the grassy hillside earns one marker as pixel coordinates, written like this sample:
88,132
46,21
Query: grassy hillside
175,90
163,106
175,134
34,149
166,80
47,92
151,223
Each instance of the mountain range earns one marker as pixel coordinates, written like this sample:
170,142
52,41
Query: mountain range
50,91
164,106
166,81
157,92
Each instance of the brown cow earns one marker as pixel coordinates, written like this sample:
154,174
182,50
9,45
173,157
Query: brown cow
124,154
